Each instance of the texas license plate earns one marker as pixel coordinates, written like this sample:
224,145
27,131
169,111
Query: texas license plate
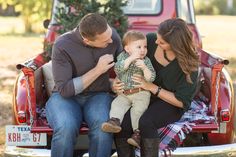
20,135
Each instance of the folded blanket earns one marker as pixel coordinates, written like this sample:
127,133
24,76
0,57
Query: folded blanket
198,113
173,135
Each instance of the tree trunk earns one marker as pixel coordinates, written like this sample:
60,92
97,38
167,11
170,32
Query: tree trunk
28,26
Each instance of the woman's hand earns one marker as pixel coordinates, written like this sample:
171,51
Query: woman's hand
117,86
142,83
163,94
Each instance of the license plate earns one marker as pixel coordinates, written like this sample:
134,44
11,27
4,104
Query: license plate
20,135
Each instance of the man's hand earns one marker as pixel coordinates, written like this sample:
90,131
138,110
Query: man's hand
105,62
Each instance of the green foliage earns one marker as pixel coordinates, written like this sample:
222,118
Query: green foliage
68,17
32,11
115,16
4,3
214,7
69,12
205,7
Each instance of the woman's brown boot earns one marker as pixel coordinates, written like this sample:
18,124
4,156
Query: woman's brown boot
150,147
123,149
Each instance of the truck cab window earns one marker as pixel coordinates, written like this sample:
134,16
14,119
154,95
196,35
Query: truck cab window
143,7
185,10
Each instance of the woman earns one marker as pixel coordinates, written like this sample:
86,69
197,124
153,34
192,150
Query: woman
174,57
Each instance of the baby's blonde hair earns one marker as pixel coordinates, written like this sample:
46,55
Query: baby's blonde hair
131,36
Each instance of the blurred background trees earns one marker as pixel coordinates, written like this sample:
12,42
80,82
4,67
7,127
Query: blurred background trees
33,12
69,17
215,7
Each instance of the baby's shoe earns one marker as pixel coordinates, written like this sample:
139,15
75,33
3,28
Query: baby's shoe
135,139
112,125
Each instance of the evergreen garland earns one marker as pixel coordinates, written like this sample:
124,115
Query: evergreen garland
115,16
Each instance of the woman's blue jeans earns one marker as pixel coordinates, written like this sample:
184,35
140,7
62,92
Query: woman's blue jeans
65,116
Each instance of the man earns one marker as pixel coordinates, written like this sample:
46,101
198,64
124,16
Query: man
80,63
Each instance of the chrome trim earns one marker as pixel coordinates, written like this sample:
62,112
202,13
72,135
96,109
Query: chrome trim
13,151
227,150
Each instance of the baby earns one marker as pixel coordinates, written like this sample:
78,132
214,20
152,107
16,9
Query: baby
131,61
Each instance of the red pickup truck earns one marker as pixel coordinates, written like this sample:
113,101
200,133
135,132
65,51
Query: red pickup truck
30,134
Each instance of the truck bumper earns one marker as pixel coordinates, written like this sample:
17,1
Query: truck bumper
13,151
227,150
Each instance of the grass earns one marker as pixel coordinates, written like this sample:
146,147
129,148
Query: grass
11,25
15,47
218,36
232,68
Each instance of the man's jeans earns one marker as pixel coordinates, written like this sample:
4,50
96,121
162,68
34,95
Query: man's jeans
65,116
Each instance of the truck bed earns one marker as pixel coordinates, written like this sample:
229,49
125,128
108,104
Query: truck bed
40,79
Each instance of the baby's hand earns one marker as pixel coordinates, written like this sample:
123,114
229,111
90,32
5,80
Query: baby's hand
135,56
140,63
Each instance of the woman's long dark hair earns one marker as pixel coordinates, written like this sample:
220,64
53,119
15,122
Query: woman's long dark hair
177,34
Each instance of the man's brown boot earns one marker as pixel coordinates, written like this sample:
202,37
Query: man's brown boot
112,125
135,139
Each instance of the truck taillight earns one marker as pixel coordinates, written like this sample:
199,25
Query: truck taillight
225,115
21,117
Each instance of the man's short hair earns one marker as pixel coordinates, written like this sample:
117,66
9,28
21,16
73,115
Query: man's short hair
91,25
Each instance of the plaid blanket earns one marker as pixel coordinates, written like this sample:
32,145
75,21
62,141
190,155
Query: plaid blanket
174,134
